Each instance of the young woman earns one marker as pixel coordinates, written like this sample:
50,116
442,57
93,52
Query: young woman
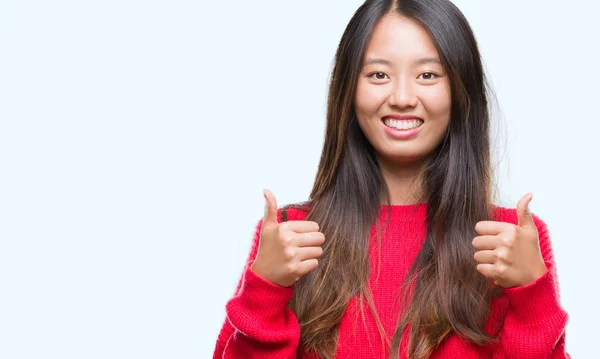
400,252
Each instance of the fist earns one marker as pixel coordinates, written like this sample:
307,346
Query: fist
510,254
287,250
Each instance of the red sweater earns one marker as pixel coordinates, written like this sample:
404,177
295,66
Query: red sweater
259,324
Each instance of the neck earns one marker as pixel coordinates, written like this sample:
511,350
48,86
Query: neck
404,181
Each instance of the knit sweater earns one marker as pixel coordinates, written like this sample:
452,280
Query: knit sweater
260,325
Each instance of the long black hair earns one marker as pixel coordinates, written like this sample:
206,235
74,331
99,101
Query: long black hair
449,295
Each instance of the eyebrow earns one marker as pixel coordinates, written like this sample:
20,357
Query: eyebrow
421,61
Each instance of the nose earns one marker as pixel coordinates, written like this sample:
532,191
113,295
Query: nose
403,95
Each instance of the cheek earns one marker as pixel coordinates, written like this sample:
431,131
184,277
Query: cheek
439,104
368,99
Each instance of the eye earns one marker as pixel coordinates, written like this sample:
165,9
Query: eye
378,76
428,76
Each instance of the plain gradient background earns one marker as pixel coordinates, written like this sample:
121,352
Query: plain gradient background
136,138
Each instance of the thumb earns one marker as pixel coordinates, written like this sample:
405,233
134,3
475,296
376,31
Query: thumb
270,217
524,217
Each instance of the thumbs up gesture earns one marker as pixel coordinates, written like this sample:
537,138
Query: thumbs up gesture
510,254
287,250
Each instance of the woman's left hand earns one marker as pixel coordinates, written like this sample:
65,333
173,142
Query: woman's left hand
510,254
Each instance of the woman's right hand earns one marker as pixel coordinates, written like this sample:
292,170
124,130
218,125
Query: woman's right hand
287,250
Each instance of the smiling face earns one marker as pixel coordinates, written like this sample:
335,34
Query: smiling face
402,77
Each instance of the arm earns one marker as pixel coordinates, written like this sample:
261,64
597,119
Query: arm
259,323
535,322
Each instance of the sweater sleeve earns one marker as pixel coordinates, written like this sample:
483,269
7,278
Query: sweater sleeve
534,326
259,323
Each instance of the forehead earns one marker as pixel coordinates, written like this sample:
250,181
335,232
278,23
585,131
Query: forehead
398,38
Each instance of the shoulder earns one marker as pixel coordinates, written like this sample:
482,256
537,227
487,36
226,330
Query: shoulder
289,212
293,212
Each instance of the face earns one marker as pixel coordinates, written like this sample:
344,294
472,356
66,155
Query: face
403,94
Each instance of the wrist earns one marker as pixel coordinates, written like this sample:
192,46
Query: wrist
538,273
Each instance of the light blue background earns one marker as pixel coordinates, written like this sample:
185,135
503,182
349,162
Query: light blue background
136,138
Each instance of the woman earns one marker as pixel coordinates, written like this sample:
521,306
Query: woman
399,252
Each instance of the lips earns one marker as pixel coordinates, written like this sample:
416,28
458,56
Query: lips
402,122
402,117
402,125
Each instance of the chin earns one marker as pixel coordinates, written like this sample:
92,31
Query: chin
402,157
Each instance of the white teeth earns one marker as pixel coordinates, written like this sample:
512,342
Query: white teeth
402,124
